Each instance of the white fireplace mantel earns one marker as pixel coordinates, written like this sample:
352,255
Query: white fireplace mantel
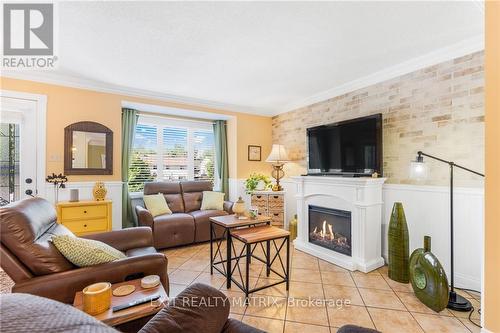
360,196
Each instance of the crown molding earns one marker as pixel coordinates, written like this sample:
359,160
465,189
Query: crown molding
465,47
87,84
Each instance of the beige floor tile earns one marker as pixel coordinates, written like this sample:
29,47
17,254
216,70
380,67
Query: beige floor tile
337,278
292,327
370,280
278,290
343,293
305,263
236,316
353,314
386,299
195,264
305,275
236,301
183,276
306,290
252,281
303,312
383,270
216,280
442,324
398,286
175,262
413,304
175,289
391,321
475,314
267,306
325,266
473,328
265,324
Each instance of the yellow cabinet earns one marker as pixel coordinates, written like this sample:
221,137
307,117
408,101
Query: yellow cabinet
85,217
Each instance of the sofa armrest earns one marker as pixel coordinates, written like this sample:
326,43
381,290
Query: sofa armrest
236,326
63,286
125,239
228,207
198,308
144,217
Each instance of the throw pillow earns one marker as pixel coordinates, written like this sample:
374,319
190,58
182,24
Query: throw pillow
85,252
212,200
156,204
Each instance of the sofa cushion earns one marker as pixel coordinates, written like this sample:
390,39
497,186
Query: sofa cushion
156,204
140,251
27,227
192,193
202,224
85,252
170,190
212,200
173,230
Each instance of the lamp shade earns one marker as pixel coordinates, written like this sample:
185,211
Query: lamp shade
418,170
278,154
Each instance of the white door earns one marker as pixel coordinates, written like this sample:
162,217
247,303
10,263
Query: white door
19,149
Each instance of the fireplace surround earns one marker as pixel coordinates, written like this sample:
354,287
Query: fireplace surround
334,200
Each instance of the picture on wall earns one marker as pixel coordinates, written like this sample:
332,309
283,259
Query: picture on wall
254,153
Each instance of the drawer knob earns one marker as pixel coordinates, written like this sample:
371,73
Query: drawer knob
85,226
85,212
258,197
275,197
276,214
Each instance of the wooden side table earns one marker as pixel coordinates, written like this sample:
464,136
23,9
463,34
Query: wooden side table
137,312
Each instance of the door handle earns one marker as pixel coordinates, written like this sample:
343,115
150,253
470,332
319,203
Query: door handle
29,192
28,180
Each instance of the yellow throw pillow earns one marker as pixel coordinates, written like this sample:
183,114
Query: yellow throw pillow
212,200
85,252
156,204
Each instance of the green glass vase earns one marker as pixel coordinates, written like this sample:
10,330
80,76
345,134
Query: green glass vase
293,228
399,251
428,278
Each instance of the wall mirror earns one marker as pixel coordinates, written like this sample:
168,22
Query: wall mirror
88,149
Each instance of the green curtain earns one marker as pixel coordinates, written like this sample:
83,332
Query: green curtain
220,136
129,121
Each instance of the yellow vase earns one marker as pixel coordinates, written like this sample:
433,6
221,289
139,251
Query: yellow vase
99,191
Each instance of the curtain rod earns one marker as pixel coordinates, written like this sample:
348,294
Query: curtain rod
168,116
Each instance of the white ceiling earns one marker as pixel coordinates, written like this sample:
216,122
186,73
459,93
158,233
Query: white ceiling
260,57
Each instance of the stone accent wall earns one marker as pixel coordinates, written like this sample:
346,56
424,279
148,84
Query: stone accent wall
438,109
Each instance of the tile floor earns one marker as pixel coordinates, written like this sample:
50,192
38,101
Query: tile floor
370,300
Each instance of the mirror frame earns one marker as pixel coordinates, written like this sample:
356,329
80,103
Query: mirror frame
87,126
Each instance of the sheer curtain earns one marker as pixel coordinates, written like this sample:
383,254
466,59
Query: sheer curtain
220,138
129,122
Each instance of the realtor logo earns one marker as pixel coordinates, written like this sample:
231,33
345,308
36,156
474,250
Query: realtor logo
28,29
28,36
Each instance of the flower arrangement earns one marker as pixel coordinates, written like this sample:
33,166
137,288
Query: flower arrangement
252,183
58,182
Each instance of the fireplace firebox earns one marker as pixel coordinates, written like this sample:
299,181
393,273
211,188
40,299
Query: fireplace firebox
330,228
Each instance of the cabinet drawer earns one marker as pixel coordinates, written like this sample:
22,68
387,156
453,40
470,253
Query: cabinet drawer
90,226
83,212
259,200
276,218
276,201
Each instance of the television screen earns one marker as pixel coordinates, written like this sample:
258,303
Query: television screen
349,147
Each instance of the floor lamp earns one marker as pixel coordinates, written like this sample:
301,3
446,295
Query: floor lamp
418,170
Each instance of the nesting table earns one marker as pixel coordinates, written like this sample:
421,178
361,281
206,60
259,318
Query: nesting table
251,232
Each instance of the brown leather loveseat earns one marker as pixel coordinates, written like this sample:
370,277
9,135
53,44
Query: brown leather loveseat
38,268
187,224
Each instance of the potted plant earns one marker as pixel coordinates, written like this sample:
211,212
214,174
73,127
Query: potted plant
257,182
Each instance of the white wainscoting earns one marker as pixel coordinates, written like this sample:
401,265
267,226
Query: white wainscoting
427,213
114,193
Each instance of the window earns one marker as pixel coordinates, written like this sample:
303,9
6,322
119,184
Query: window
171,149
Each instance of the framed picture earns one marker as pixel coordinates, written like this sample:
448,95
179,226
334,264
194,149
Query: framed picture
254,153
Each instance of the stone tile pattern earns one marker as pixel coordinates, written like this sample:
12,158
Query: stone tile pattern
375,300
438,109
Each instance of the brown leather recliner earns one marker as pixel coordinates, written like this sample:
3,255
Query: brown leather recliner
38,268
187,224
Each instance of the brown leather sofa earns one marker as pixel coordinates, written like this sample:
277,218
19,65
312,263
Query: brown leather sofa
38,268
199,308
187,224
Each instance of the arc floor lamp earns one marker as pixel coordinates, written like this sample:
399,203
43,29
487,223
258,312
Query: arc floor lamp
418,170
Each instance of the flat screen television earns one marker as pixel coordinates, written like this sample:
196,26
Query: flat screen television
348,148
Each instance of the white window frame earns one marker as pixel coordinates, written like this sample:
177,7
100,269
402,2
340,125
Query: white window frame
191,126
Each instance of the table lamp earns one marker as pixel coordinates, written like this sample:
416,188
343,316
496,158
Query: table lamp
278,158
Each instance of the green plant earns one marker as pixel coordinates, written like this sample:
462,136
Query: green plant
254,179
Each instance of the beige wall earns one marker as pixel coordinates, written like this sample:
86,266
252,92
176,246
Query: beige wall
439,110
66,105
491,297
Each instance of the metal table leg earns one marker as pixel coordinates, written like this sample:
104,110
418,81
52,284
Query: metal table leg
228,257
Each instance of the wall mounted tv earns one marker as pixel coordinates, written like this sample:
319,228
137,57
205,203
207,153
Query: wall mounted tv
347,148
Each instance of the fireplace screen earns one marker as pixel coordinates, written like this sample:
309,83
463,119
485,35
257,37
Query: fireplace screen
330,228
